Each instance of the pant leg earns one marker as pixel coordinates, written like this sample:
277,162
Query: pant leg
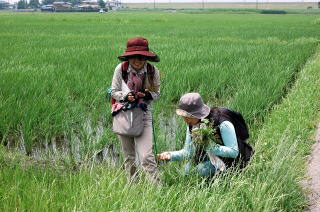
128,148
206,169
187,169
144,149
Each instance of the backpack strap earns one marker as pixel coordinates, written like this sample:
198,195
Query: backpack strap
150,72
124,70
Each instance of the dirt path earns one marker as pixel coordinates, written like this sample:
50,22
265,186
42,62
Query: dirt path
314,174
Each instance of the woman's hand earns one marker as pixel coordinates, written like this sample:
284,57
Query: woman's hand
164,156
130,97
141,95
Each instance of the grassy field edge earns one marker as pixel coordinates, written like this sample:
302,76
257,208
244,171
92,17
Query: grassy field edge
291,126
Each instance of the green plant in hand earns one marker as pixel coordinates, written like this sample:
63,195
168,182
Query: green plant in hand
205,134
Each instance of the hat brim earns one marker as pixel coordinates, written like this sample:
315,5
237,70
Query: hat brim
203,113
149,55
184,113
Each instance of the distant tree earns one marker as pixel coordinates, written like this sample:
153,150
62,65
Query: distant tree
48,1
22,4
34,3
101,3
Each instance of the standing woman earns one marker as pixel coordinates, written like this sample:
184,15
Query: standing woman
136,83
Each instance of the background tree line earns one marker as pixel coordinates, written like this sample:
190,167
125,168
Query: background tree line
23,4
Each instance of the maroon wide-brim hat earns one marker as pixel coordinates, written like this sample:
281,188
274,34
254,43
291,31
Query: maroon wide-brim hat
139,46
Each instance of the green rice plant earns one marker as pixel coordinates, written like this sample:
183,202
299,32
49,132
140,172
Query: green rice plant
316,21
269,183
55,68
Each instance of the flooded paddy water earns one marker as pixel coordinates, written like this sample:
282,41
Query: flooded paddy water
86,146
68,146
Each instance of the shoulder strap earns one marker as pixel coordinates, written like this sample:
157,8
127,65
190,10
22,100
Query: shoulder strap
150,69
124,69
150,73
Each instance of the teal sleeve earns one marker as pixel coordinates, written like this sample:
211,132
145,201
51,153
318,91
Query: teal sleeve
186,152
229,138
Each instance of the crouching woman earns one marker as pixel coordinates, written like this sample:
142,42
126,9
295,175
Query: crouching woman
215,138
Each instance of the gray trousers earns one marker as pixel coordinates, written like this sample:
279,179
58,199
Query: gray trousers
142,145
